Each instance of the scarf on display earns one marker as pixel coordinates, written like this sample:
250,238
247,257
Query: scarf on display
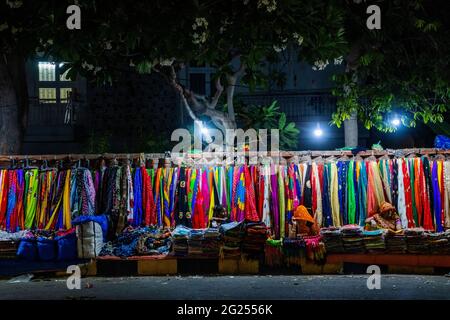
46,183
335,193
31,197
82,195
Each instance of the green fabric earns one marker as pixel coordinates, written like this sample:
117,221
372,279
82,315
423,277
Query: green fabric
351,193
31,189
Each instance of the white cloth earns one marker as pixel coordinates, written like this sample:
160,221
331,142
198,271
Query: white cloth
401,205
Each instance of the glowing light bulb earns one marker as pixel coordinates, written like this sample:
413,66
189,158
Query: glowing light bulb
396,122
318,132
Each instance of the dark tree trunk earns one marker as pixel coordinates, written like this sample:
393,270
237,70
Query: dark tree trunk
13,103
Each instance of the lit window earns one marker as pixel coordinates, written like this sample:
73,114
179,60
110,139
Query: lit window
54,86
64,94
47,71
47,95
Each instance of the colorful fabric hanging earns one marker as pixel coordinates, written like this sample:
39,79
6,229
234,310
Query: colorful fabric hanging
31,197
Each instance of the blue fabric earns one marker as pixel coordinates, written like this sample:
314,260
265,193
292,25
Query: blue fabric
27,249
137,194
442,142
326,206
102,220
46,249
67,247
362,194
437,198
342,192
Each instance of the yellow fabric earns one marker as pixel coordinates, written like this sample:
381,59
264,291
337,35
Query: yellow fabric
67,218
378,184
334,189
211,201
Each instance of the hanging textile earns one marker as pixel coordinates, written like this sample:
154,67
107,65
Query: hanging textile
31,197
447,193
351,201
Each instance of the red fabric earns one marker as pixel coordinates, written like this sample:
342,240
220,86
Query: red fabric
148,202
314,192
427,217
408,196
4,203
198,219
250,200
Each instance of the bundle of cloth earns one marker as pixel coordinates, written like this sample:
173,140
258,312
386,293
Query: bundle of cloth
232,235
315,248
273,253
255,237
416,240
195,240
294,250
180,236
138,241
211,242
352,238
395,242
438,243
374,241
332,237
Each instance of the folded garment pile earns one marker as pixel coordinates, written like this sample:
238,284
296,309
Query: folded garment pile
232,235
138,241
294,251
395,242
353,239
438,243
195,242
374,241
416,240
315,248
180,236
211,242
255,237
332,237
9,242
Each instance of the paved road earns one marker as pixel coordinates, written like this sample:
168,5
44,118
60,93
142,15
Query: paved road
237,287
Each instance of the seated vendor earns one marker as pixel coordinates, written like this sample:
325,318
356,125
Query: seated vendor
303,223
219,216
387,218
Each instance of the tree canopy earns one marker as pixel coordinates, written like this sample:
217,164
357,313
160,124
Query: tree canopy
403,67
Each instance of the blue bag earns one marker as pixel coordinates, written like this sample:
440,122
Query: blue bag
67,246
442,142
46,249
27,249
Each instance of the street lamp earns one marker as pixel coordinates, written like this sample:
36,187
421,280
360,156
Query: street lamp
395,121
318,132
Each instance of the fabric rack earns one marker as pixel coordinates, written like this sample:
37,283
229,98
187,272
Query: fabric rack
337,187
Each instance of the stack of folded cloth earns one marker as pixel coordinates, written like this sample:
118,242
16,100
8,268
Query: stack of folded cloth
180,236
138,241
332,238
211,242
447,236
395,242
195,242
294,250
352,238
374,241
254,238
437,243
232,235
416,240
